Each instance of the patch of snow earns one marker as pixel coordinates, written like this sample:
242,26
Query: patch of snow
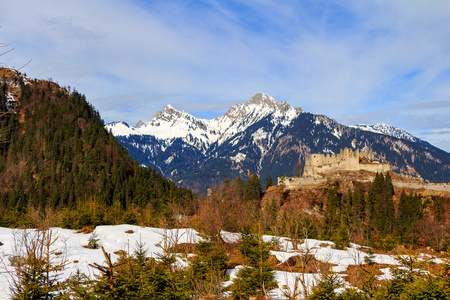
169,160
389,130
387,274
112,238
9,100
336,133
238,157
259,134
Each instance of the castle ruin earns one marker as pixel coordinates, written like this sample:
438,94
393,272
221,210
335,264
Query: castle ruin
318,166
347,160
321,167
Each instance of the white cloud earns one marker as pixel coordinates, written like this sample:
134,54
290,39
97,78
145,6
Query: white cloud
344,59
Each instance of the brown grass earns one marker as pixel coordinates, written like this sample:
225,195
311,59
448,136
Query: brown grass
357,274
302,264
86,230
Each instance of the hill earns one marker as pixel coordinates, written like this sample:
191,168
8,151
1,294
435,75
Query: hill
55,155
267,138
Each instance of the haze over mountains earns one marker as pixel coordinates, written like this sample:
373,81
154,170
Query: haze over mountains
265,137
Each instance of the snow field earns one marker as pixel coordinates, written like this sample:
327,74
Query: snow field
126,237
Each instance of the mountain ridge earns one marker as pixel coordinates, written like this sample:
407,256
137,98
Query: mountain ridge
266,137
172,123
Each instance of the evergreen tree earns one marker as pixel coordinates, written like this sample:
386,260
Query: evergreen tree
336,216
253,187
438,207
380,205
208,268
240,187
257,278
409,212
269,182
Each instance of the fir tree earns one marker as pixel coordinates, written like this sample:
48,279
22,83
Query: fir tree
253,187
269,182
257,278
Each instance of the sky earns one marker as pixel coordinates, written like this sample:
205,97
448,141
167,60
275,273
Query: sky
358,62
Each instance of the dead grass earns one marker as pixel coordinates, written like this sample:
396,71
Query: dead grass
358,275
184,248
86,230
120,253
304,264
236,259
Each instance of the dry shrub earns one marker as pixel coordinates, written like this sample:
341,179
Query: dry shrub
273,260
236,259
183,248
304,264
214,297
120,253
359,275
86,230
129,231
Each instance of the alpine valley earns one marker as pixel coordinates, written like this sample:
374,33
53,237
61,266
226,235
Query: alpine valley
265,137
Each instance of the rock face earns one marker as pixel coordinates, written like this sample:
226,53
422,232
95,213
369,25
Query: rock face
347,160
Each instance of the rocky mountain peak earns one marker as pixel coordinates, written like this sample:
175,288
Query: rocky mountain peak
167,114
258,106
263,100
140,123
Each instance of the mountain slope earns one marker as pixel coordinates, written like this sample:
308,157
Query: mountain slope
56,153
266,137
389,130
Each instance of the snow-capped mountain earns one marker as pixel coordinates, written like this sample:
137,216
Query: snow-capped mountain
169,123
389,130
265,137
239,117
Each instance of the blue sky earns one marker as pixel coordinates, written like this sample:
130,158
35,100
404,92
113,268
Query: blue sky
355,61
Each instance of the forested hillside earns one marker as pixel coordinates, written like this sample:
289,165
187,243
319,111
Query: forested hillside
57,158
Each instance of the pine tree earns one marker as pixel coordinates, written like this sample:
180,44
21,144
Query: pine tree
269,182
380,205
257,278
240,187
37,274
409,212
208,269
253,187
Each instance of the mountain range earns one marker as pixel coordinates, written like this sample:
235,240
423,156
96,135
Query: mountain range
265,137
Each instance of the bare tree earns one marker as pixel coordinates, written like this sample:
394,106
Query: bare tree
5,48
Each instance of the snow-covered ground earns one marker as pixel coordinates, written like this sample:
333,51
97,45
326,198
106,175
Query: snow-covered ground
125,237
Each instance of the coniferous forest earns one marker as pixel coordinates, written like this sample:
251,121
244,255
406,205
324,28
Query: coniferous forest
56,158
